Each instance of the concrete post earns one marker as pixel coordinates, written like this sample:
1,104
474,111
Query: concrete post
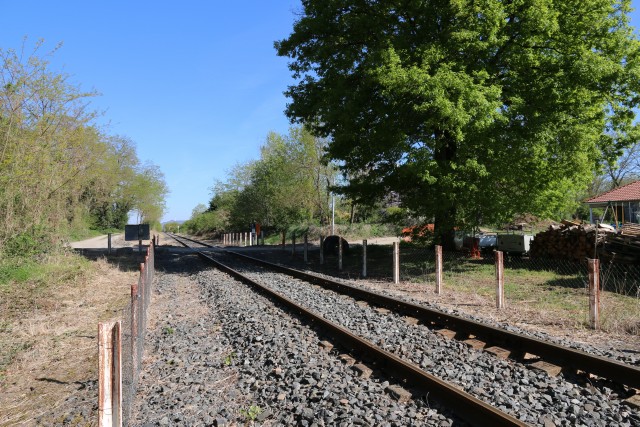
110,375
499,279
396,262
438,269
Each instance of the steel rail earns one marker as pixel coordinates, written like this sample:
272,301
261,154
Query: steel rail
468,407
563,356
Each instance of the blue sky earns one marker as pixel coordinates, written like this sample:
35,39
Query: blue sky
195,84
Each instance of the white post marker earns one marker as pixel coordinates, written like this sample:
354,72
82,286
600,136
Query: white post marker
499,279
110,375
438,269
594,293
364,258
396,262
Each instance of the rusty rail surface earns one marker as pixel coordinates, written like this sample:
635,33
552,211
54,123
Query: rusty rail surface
464,405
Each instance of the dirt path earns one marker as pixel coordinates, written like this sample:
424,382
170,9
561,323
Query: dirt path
102,242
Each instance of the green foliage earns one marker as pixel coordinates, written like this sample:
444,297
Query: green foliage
59,173
228,359
18,272
172,227
28,244
472,112
251,413
288,185
46,271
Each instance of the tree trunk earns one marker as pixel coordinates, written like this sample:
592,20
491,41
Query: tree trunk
446,214
444,229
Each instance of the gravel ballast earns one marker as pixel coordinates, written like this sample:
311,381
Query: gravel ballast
530,395
217,353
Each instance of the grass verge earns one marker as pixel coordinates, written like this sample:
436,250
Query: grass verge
49,312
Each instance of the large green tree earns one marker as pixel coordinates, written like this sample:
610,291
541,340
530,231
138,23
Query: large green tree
289,184
472,111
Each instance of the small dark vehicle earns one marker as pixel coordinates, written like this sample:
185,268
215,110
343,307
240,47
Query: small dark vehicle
330,245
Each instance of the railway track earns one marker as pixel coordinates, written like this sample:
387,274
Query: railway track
406,364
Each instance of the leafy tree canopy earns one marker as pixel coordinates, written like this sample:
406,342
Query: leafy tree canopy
58,170
472,111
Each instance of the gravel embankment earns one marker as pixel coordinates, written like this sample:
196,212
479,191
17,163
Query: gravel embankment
530,395
217,353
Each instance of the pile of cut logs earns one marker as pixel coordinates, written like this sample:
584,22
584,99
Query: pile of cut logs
623,247
569,241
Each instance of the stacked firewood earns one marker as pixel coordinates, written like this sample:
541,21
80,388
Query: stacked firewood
623,247
569,241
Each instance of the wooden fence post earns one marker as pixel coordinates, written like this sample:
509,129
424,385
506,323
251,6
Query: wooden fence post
499,279
438,269
364,258
321,250
340,251
594,293
396,262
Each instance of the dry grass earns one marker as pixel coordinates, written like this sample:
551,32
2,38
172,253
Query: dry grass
50,331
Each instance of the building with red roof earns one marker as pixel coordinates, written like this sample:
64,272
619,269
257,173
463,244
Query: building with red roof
622,203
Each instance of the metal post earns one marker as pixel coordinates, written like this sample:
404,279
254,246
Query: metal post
364,258
306,248
396,262
340,253
438,269
594,293
499,279
321,250
109,243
